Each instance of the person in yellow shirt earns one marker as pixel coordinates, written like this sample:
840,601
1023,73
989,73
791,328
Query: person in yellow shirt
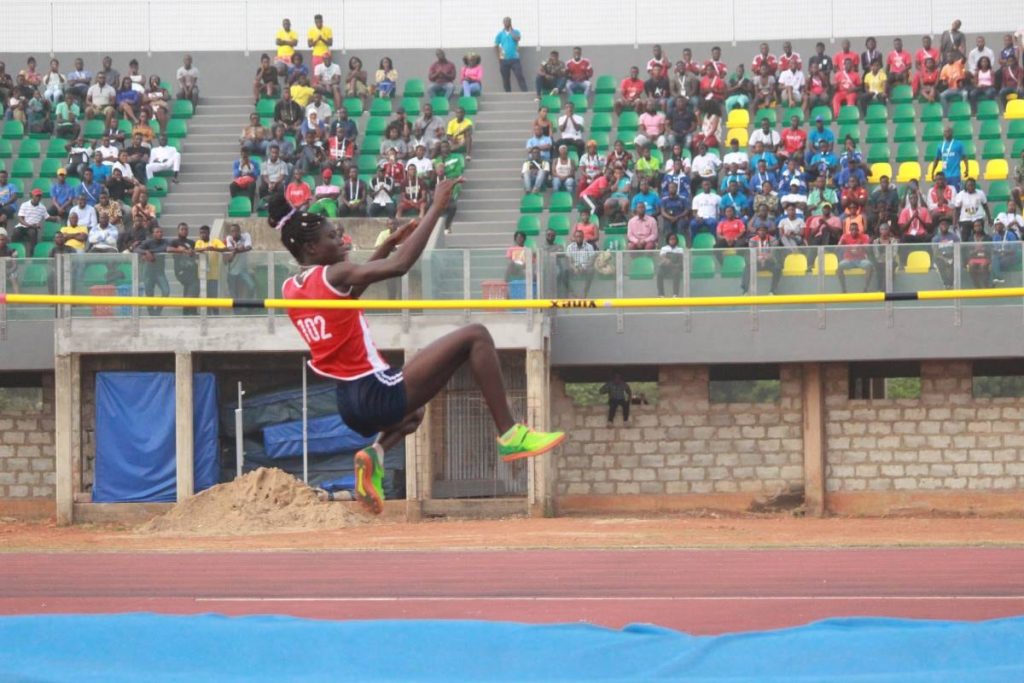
875,85
301,92
75,235
287,40
460,133
320,39
211,247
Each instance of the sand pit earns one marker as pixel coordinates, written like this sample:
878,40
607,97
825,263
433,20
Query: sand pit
262,501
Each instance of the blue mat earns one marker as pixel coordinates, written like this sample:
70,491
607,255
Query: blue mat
135,647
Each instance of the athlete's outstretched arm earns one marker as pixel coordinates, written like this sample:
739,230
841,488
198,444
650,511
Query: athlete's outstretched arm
386,249
346,275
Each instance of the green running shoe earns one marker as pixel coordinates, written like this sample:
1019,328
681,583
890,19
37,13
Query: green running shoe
523,442
369,478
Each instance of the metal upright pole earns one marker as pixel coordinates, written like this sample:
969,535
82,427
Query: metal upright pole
305,426
239,444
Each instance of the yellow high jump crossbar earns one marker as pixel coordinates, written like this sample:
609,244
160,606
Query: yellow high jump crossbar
510,304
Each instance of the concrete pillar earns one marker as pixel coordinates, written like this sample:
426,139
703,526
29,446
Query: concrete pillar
67,403
814,438
538,407
183,422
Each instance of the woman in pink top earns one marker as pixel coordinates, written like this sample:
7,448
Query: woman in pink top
984,83
472,75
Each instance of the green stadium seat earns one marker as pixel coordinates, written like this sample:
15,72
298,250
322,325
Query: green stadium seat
998,191
614,244
22,168
1018,147
1015,131
579,103
904,113
552,102
601,122
48,169
43,185
733,266
703,240
42,249
601,138
411,105
50,229
990,130
376,125
970,151
18,248
354,106
959,111
20,186
604,85
267,122
790,113
908,151
561,202
560,223
367,163
626,137
94,274
6,151
531,203
93,129
876,113
905,132
932,131
962,130
13,130
36,275
265,107
877,132
239,207
628,121
641,268
702,267
440,105
529,225
824,112
848,114
182,109
987,110
932,111
157,187
125,126
470,104
993,149
850,129
604,104
380,107
414,87
177,128
29,149
878,154
762,114
902,94
370,145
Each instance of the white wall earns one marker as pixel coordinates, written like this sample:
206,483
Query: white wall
239,25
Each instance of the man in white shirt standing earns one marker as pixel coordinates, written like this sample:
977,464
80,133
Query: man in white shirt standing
163,157
188,81
791,83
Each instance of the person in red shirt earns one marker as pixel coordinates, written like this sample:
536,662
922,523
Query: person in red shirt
898,63
716,62
915,222
586,226
659,58
731,231
631,90
925,82
712,85
940,200
764,57
818,89
846,53
924,52
579,72
787,58
847,84
594,194
414,193
794,140
374,399
824,229
855,255
298,193
854,197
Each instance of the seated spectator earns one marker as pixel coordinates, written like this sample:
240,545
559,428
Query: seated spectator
620,157
855,255
142,129
246,174
647,196
767,199
580,255
944,243
298,193
953,82
89,188
647,168
735,198
1011,217
53,83
297,70
322,109
441,76
763,246
983,83
563,172
924,52
460,134
472,75
882,245
344,127
876,86
578,72
705,165
596,193
819,88
670,264
925,83
267,81
79,81
791,226
163,157
679,124
1005,251
823,164
138,157
631,91
187,77
1010,71
75,235
739,89
382,203
824,229
541,142
898,63
327,81
821,193
8,199
687,78
394,168
763,153
275,173
312,157
591,165
570,128
705,210
85,214
792,172
302,93
428,129
550,76
657,89
143,213
883,205
352,201
731,231
237,246
31,216
677,170
791,84
764,58
121,185
642,230
972,206
66,116
915,222
653,127
355,80
385,79
978,257
764,89
617,206
941,200
158,100
761,175
847,84
851,164
414,193
312,125
674,210
287,112
393,145
853,198
793,141
103,237
111,211
128,101
535,172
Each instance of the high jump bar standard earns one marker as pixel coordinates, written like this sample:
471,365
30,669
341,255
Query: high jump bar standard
510,304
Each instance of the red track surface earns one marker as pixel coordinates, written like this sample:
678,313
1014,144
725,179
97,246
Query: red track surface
700,591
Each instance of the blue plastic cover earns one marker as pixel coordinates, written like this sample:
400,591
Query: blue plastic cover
135,436
155,648
327,435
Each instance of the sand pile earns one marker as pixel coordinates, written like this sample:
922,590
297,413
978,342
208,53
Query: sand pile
262,501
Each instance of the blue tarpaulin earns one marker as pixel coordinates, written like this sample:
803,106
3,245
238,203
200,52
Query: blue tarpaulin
326,435
135,449
154,648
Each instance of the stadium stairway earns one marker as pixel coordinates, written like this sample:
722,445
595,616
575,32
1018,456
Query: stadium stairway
489,205
206,160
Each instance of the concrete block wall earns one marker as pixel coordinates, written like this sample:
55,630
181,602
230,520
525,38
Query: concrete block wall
945,440
684,444
27,450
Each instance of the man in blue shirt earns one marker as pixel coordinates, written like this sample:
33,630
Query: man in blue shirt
541,142
8,199
737,199
824,163
761,154
951,154
79,80
506,47
814,138
647,197
674,210
1005,251
762,175
89,188
62,196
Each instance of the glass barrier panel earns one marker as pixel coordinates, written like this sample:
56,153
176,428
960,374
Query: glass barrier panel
28,276
101,274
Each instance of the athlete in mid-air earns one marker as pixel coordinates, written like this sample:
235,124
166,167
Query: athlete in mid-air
374,398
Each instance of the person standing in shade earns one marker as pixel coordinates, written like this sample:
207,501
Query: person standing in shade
506,47
154,276
619,394
186,266
670,265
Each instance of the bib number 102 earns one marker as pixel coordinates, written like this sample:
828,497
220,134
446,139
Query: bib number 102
313,329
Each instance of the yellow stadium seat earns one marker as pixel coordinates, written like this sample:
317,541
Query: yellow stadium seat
795,266
831,264
1014,109
740,135
909,170
738,118
918,263
997,169
973,169
878,170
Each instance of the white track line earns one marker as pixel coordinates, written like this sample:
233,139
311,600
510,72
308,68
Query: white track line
639,598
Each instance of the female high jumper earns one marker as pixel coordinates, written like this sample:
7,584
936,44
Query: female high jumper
374,398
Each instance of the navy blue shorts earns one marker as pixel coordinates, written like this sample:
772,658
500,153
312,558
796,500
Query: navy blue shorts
372,403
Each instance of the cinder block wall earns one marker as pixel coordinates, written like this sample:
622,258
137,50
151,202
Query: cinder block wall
27,450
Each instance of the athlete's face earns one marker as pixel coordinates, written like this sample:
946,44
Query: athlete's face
331,247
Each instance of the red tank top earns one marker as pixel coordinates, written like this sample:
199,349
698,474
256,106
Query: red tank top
338,339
